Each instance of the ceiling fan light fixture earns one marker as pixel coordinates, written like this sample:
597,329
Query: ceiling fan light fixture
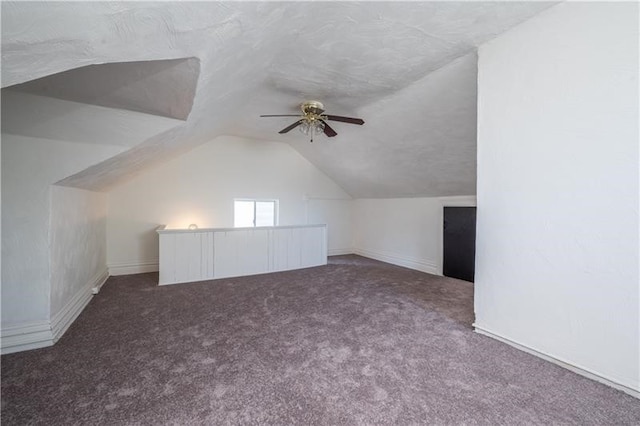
304,127
309,125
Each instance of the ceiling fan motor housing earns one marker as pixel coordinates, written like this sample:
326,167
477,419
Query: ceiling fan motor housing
312,107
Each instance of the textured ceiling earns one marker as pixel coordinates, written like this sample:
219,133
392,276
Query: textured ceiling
408,69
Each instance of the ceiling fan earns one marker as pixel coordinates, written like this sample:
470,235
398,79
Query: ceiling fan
314,121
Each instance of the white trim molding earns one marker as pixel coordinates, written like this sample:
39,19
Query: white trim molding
40,334
419,265
99,280
61,321
133,267
459,201
562,363
23,337
340,251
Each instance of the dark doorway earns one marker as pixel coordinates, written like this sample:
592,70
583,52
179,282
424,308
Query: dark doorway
459,251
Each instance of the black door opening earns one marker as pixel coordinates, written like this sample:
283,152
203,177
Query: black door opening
459,251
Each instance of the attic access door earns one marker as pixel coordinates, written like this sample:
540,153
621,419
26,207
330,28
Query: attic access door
459,251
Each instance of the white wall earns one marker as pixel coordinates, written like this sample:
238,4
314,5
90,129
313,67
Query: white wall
199,187
403,231
45,233
337,213
557,230
78,244
29,167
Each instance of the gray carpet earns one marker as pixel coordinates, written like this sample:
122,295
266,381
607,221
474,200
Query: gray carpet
353,342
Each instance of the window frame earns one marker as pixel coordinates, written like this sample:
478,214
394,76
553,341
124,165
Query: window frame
276,210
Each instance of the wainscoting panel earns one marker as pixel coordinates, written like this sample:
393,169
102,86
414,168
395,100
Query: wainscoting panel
202,254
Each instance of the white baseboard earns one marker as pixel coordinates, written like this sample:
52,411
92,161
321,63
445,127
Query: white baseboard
61,321
133,268
40,334
99,281
562,363
399,260
23,337
338,252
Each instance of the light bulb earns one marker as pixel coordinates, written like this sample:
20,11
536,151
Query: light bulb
193,226
304,127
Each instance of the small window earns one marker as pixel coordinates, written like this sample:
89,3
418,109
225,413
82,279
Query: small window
247,213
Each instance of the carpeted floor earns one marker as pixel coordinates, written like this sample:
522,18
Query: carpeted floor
353,342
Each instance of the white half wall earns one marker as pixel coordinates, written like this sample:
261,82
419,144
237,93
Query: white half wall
403,231
557,230
78,251
200,186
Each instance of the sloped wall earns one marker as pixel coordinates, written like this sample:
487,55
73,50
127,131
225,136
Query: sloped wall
557,231
200,186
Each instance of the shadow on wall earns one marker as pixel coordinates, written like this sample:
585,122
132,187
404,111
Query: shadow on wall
165,87
149,243
131,244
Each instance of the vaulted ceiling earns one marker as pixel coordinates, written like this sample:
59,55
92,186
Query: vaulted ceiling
408,69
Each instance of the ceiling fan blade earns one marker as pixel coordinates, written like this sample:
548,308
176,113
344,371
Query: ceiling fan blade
328,130
280,115
289,128
345,119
